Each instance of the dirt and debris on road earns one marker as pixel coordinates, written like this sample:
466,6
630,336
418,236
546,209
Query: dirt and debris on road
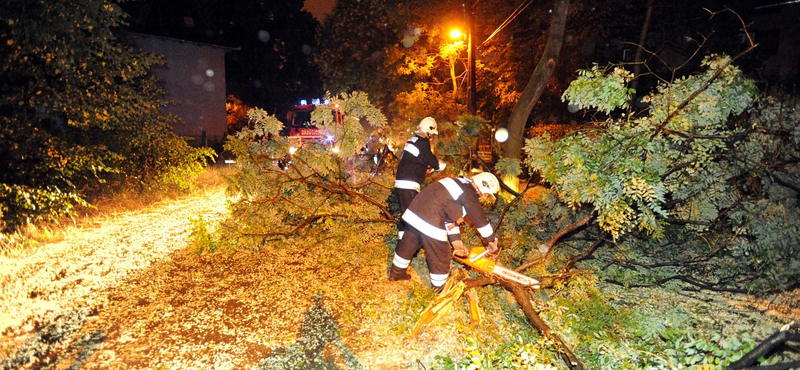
127,293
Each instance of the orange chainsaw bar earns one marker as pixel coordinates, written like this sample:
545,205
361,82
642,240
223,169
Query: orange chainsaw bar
477,260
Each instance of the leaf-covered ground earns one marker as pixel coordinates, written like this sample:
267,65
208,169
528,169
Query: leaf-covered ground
127,293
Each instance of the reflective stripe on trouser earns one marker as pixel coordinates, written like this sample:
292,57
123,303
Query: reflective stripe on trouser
437,253
400,262
437,280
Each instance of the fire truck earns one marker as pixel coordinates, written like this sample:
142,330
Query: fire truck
299,128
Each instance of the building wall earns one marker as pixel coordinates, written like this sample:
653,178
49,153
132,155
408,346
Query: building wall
777,33
194,75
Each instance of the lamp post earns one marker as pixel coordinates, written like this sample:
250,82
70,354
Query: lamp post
470,65
456,34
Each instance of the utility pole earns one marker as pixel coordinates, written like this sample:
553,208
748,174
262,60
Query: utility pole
470,62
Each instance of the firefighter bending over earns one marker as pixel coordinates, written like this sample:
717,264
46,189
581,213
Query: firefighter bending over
433,218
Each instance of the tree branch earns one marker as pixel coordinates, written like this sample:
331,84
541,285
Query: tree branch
790,332
707,84
509,205
586,254
564,231
700,284
523,299
777,178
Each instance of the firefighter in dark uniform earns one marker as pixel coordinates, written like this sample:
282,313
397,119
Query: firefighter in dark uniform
415,160
432,219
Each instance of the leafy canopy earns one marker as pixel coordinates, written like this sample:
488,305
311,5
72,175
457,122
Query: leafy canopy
626,170
78,108
708,172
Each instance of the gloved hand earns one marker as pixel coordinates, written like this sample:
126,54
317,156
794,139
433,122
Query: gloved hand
460,250
492,247
442,165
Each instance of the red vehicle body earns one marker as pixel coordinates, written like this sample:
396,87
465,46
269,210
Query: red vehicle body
299,127
299,123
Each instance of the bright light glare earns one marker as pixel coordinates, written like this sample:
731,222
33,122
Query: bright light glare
292,150
456,34
335,149
501,135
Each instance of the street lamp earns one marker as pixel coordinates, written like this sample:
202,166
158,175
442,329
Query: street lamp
457,34
470,66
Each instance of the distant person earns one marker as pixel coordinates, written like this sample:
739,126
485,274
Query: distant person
415,160
433,218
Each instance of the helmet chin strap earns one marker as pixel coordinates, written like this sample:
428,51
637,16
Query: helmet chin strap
477,189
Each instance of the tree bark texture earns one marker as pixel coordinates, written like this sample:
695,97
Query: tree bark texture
538,81
524,301
789,333
521,295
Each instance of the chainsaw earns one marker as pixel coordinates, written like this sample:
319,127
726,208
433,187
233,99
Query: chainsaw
478,260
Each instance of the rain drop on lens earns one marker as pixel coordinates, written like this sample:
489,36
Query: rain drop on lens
263,36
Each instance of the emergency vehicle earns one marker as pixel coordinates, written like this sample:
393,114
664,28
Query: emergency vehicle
299,128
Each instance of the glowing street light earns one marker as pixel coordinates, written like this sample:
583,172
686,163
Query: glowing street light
457,34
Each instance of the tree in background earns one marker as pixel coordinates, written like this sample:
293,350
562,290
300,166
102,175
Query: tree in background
538,81
397,47
236,117
399,53
353,50
79,109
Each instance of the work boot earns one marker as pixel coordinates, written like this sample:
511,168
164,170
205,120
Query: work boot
398,274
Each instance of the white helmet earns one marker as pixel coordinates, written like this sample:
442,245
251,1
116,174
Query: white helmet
428,126
486,182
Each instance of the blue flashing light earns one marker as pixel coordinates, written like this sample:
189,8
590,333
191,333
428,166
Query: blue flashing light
329,138
315,101
303,102
327,101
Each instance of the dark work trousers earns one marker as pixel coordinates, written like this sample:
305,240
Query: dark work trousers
437,253
404,196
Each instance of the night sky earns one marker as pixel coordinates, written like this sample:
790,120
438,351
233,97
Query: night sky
319,8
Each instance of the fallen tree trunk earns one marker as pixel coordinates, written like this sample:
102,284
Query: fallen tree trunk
788,333
524,301
521,295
